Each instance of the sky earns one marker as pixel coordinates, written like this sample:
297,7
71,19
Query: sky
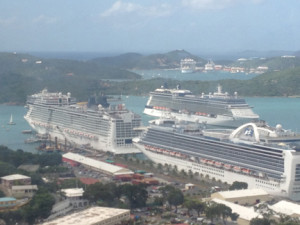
149,26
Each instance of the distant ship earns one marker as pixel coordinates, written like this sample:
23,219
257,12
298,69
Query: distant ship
262,156
101,126
209,66
187,65
218,108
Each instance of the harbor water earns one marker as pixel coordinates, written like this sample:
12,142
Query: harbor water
274,110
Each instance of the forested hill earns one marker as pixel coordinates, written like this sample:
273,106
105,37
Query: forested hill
168,60
21,75
281,83
31,66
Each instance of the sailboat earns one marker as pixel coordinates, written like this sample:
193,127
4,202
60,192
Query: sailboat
11,122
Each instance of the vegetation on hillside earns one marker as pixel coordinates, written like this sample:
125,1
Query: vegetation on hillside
22,75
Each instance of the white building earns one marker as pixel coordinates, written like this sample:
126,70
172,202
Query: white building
74,200
243,197
92,216
287,208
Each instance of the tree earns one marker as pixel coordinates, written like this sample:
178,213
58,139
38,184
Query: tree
238,185
260,221
39,207
210,211
288,220
189,204
175,197
136,194
101,192
224,211
199,206
234,216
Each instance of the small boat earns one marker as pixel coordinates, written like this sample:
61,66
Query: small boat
11,122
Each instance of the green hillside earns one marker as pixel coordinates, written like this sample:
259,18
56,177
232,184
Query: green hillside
21,75
282,83
31,66
155,61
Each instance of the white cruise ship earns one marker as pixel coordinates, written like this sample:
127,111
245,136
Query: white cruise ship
262,156
187,65
101,127
218,108
209,66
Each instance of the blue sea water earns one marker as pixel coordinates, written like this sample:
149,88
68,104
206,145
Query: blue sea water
274,110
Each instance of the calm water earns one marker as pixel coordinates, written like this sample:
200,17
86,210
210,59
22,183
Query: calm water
274,110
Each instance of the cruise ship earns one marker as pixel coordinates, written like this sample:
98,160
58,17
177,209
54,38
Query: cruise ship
262,156
187,65
209,66
218,108
102,127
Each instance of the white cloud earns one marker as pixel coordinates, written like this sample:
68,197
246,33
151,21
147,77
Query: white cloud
214,4
119,8
45,19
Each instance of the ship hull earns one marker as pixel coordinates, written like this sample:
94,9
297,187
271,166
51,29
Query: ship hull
278,188
79,139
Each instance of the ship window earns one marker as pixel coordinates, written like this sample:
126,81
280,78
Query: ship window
297,174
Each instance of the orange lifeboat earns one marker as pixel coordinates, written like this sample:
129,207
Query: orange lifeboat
218,164
203,161
246,171
227,166
210,162
237,169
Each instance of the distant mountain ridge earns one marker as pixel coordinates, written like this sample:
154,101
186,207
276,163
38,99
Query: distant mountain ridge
23,74
169,60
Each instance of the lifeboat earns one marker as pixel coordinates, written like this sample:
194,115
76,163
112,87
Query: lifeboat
237,169
218,164
227,166
178,154
210,162
246,171
203,161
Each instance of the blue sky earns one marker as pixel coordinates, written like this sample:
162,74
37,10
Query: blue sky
149,26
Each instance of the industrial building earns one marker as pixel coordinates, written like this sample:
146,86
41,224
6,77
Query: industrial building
92,216
243,197
113,170
287,208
